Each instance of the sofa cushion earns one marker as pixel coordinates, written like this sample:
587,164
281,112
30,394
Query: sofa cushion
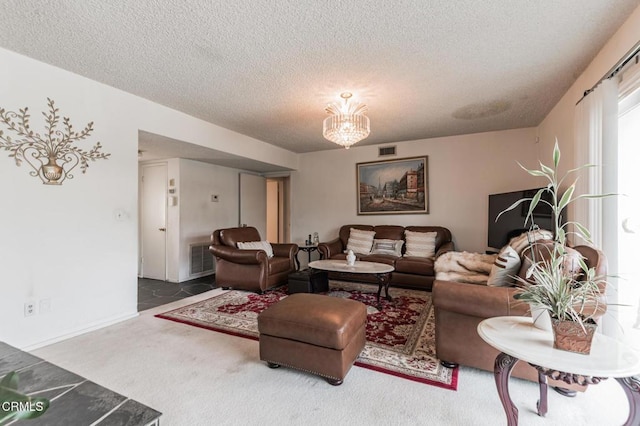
541,251
387,259
443,237
231,236
256,245
415,265
505,268
389,232
345,231
385,246
360,241
420,244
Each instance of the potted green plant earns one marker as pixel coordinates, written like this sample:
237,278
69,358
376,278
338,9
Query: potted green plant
557,281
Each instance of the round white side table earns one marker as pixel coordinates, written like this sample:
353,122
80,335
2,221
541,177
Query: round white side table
518,339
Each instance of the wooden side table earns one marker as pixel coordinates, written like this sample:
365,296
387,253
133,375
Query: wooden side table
518,339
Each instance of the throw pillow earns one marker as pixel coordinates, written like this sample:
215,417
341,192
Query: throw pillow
420,244
504,268
360,241
391,247
257,245
523,240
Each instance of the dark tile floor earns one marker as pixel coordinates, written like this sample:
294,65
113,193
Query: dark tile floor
152,293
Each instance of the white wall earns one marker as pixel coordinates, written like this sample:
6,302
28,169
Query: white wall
463,171
63,242
199,216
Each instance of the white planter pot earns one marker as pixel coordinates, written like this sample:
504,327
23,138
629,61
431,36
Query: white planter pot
541,318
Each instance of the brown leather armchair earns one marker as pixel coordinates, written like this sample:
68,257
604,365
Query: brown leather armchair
250,270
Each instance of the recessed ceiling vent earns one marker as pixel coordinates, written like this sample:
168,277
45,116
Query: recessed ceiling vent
386,150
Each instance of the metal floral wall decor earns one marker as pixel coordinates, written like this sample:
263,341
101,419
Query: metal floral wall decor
51,155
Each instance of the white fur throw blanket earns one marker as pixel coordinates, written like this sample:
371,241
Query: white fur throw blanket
464,267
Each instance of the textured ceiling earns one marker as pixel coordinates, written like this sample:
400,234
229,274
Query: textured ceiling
268,68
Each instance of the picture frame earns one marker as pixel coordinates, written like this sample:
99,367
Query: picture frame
398,186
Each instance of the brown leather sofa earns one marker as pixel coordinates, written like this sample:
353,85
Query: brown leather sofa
410,272
250,270
460,307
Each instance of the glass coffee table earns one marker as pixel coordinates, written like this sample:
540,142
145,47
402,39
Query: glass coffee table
381,271
519,340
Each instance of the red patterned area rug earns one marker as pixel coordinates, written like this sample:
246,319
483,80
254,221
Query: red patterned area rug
400,336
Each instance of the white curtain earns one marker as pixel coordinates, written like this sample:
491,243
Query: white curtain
596,134
596,142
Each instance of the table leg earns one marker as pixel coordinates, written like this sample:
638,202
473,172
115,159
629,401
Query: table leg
309,256
502,371
542,402
383,281
631,387
297,261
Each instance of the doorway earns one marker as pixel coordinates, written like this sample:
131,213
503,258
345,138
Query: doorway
278,217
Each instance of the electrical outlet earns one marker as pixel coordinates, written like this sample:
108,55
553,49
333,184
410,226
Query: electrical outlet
29,309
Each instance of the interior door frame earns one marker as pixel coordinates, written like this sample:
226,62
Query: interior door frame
284,205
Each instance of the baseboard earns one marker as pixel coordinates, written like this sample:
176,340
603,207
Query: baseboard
91,327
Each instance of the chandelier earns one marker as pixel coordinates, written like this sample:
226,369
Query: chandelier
347,123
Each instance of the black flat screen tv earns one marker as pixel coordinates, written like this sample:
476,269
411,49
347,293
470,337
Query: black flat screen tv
512,224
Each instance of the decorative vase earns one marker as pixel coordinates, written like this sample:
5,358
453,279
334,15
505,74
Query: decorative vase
569,336
52,171
351,258
540,316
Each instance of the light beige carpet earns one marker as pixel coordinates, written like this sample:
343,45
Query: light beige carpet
196,377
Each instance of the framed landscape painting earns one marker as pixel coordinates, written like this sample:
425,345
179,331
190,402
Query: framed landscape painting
393,186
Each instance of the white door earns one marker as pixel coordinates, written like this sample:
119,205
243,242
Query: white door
154,222
253,202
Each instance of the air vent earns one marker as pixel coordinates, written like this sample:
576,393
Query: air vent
386,150
201,259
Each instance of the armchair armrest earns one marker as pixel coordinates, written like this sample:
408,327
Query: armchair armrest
234,255
284,250
476,300
448,246
330,248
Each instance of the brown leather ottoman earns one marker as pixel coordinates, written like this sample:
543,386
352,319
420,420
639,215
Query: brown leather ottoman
319,334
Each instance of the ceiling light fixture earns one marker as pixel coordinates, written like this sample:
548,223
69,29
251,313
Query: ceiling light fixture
347,123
